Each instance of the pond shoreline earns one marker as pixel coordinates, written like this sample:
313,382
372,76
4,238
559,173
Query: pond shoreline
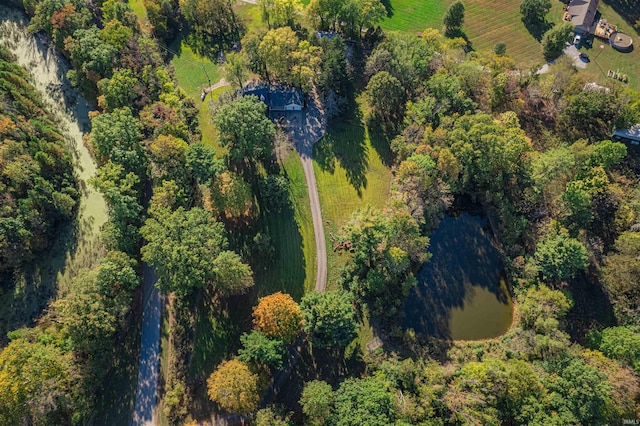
462,293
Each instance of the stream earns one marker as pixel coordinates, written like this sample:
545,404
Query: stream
77,246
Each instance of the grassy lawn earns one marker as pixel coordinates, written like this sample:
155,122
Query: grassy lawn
294,268
251,16
603,59
350,174
192,69
414,15
489,21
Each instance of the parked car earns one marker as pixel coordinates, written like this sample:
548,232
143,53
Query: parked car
584,57
576,40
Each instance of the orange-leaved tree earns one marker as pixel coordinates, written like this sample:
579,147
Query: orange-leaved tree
278,316
234,387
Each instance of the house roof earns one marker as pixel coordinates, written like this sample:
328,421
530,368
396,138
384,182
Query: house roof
276,96
583,12
632,133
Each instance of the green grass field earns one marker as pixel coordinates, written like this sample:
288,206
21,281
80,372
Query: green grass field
350,174
603,59
489,21
414,15
294,268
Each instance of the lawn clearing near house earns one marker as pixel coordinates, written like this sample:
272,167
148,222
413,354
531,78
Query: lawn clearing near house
607,58
414,15
293,270
191,69
250,15
350,174
487,22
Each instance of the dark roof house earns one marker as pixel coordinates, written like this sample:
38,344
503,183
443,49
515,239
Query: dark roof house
583,14
277,98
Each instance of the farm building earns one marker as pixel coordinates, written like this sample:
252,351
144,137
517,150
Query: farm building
277,98
582,14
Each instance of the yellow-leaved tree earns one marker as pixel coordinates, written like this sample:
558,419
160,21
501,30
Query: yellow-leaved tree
234,387
278,316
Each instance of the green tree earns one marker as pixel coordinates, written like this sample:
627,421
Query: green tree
183,245
234,387
560,257
383,248
534,12
90,54
204,164
607,154
621,343
329,318
275,192
580,391
236,69
232,276
333,70
285,11
36,381
213,23
116,136
454,18
386,95
621,278
370,13
365,401
554,40
258,348
317,402
118,91
116,34
245,129
500,48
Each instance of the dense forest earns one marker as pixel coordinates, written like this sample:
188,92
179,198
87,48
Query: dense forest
450,123
38,187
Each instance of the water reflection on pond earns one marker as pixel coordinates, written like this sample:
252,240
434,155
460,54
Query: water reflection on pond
461,291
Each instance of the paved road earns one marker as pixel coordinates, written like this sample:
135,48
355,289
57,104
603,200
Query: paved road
146,391
307,128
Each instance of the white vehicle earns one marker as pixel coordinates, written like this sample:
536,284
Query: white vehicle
576,40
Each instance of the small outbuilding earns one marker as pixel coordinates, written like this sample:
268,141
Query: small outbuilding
631,135
582,14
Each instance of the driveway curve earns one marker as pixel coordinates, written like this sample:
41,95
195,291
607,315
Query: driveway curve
306,128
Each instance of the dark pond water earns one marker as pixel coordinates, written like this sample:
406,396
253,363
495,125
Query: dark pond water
461,292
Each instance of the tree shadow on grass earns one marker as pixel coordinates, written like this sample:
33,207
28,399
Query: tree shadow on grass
286,271
388,7
537,30
219,324
627,9
344,143
317,364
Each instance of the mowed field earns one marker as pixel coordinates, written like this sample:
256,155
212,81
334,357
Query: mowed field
603,59
350,174
488,22
414,15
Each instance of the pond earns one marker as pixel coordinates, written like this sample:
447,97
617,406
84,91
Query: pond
462,292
